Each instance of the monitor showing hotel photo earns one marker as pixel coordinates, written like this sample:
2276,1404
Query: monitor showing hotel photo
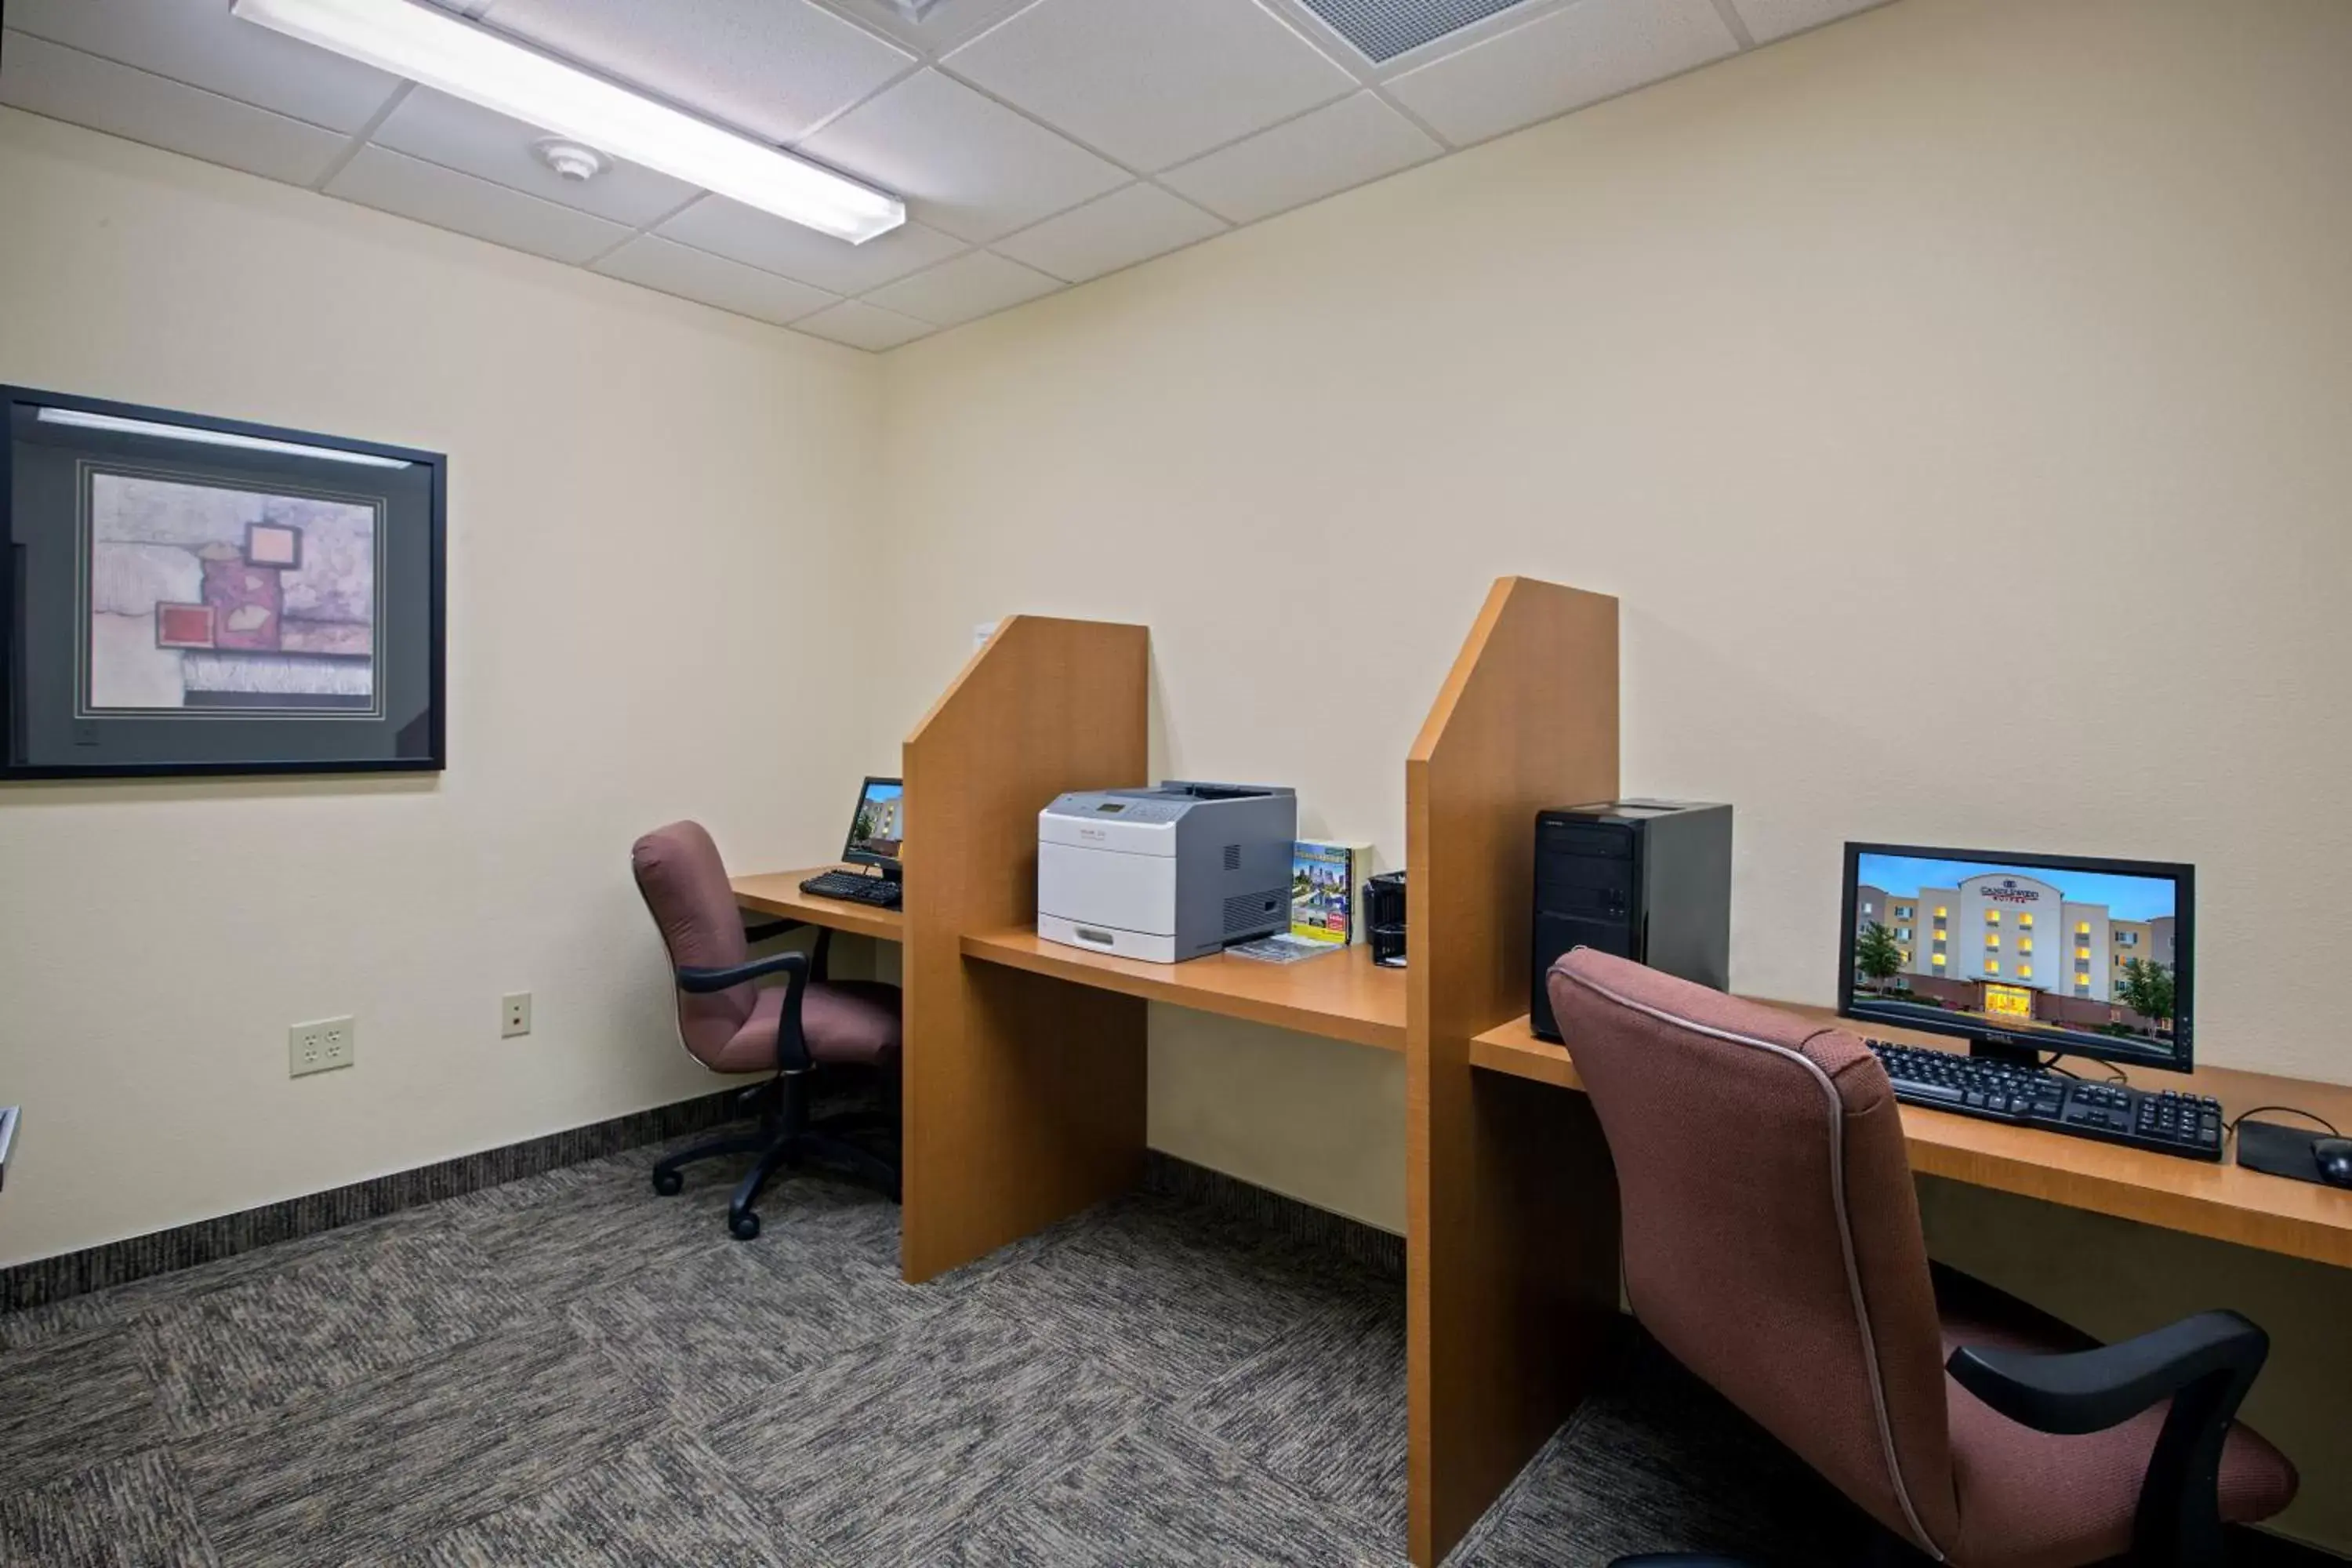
2080,956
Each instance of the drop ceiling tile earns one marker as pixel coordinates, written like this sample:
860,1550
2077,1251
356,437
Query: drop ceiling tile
863,326
778,244
480,141
965,164
1114,231
1769,19
1562,61
964,290
774,67
941,27
1303,160
1151,82
446,199
199,43
66,84
690,274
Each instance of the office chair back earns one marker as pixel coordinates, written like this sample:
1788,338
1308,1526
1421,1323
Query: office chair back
1772,1239
684,886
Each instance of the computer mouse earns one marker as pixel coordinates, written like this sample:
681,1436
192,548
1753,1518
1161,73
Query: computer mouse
2334,1157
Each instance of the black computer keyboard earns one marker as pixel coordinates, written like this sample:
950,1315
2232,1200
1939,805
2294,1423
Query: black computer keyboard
2167,1122
882,892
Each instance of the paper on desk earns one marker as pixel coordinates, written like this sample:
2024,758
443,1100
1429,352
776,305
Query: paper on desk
1283,948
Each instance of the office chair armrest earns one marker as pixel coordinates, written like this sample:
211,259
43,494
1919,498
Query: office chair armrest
701,981
2090,1391
820,954
2204,1364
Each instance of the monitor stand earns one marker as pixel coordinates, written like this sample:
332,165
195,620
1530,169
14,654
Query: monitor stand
893,871
2015,1053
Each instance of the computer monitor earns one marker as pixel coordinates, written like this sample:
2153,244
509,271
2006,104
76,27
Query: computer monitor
877,832
2020,954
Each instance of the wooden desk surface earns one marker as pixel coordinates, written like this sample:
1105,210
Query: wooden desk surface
1341,996
779,893
2226,1202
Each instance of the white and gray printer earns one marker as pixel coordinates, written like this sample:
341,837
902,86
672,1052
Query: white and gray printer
1165,874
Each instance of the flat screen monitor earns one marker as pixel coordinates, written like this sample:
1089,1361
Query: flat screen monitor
877,832
2021,954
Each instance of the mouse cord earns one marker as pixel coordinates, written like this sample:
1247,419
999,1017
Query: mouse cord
2291,1110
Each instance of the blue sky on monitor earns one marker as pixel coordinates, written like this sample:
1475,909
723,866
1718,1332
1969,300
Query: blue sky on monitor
876,793
2127,898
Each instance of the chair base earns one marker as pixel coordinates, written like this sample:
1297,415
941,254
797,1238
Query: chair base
786,1140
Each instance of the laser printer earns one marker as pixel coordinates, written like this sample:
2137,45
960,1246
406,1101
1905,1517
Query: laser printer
1165,874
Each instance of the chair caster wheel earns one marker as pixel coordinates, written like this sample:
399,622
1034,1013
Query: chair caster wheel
669,1183
745,1226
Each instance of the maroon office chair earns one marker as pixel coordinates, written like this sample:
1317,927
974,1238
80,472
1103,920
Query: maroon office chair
731,1025
1772,1244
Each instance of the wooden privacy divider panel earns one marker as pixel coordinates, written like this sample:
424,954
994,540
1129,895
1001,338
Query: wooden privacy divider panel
1024,1096
1511,1202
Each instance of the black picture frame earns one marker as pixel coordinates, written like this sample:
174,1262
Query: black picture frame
408,634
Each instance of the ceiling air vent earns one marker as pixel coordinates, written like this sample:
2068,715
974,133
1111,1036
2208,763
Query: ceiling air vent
1383,29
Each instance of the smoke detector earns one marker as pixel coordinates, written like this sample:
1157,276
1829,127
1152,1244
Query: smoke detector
572,164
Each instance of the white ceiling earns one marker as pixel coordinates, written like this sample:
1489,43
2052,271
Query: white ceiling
1038,143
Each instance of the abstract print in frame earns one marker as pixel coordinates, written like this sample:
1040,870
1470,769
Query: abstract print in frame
185,594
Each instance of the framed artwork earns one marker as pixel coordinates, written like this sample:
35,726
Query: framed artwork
182,595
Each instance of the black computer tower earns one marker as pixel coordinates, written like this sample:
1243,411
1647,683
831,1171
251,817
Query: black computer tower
1645,879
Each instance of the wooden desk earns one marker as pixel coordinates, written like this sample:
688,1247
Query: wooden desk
1341,996
2226,1202
779,893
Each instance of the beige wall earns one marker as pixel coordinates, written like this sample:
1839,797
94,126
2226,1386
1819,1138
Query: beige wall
1774,351
649,502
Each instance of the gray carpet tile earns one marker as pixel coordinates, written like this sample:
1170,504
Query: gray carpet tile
268,1340
69,1402
727,1328
59,1319
572,1231
405,1457
1164,1495
570,1370
348,1246
1323,1406
1658,1462
875,1456
132,1512
666,1501
1169,1296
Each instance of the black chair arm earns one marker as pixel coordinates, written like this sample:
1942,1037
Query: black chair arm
2204,1364
703,981
2090,1391
791,1043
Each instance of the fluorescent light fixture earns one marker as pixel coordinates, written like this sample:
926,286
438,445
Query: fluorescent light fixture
80,420
414,40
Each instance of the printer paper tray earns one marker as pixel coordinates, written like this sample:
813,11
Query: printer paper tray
1148,946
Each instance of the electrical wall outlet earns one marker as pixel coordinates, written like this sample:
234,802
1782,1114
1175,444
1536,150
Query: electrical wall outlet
322,1046
514,1014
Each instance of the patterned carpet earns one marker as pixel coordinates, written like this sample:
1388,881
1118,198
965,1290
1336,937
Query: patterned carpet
567,1370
